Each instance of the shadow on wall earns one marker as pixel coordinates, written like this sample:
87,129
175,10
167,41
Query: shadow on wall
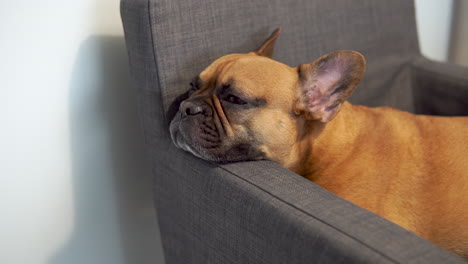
114,219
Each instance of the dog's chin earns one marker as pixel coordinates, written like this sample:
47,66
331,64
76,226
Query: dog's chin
219,155
188,140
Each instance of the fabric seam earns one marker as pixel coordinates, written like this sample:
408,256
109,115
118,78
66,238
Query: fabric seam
156,64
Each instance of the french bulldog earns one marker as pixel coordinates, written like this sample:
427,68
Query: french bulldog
410,169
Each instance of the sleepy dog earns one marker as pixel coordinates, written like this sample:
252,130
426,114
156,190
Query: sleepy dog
410,169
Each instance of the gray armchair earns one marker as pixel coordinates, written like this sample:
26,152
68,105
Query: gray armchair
259,212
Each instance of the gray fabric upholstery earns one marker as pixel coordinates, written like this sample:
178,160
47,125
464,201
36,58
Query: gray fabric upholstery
440,88
258,212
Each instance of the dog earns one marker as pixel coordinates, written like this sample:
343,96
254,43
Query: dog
410,169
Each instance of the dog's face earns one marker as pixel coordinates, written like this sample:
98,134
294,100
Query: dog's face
240,106
248,106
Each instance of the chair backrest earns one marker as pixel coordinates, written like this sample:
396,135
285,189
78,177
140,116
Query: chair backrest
185,36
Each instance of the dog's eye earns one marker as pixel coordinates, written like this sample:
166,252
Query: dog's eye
234,99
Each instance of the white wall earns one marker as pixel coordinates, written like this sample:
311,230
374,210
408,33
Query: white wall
74,183
434,21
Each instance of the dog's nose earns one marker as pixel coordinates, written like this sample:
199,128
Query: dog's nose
190,108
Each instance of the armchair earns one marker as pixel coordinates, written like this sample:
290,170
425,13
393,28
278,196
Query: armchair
259,212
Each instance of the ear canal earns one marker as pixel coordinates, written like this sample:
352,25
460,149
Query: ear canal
266,50
327,82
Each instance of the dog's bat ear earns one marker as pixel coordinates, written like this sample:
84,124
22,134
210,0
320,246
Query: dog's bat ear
327,82
266,50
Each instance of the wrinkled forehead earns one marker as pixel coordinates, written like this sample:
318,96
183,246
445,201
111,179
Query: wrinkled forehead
254,74
218,65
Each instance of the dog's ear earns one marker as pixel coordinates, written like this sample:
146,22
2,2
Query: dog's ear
327,82
266,50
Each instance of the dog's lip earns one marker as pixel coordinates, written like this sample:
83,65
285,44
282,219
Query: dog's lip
174,131
179,139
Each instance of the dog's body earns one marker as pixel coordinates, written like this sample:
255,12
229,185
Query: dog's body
410,169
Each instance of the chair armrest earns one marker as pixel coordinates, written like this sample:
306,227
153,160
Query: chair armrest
440,88
259,212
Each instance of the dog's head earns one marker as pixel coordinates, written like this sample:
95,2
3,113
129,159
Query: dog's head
249,107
